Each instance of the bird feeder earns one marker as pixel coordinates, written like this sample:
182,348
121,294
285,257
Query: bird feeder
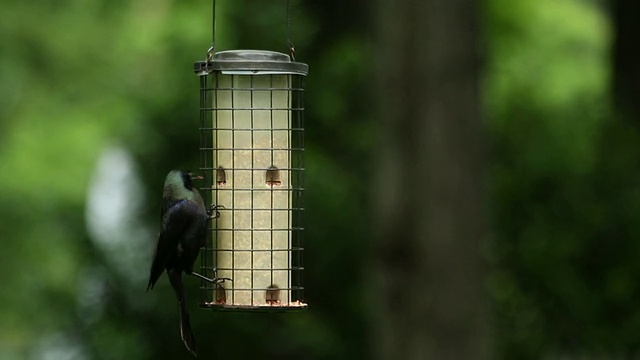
251,147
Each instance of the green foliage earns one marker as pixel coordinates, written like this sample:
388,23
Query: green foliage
564,185
80,77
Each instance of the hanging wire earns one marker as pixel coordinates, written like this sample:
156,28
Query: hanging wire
292,49
211,50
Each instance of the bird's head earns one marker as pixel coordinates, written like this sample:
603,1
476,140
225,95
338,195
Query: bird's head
179,180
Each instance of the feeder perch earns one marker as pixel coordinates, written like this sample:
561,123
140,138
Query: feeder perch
251,147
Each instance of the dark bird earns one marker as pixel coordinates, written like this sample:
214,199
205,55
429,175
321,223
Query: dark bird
184,231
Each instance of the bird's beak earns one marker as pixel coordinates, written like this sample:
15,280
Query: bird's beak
196,177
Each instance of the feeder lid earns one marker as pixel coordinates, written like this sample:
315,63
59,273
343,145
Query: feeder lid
251,62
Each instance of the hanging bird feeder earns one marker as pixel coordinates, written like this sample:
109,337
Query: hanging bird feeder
251,147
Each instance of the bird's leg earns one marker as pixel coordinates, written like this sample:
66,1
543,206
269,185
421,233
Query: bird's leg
215,280
215,208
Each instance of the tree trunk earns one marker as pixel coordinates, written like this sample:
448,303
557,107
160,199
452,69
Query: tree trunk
430,185
626,58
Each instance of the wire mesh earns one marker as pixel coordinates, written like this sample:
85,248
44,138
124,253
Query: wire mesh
252,158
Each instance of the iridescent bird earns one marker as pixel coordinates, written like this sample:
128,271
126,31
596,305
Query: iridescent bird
184,231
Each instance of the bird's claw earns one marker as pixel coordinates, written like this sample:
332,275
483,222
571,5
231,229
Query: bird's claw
216,280
212,209
219,280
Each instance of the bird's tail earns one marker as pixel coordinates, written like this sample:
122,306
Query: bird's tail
188,338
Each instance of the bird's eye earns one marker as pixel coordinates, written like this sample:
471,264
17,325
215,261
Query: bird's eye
186,179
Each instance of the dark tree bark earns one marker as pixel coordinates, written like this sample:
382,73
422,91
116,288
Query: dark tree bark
431,191
626,58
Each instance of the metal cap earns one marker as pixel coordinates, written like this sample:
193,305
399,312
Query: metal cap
251,62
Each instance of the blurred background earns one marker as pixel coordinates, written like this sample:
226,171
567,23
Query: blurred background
98,102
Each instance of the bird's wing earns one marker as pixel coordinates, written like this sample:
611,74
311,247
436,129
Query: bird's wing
195,238
175,219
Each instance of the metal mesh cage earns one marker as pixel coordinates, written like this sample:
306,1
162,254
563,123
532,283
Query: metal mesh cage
251,149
